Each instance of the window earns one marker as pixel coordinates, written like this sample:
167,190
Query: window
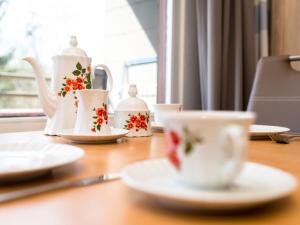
123,34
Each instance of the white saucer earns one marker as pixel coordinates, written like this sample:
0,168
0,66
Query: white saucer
265,130
157,126
94,138
21,161
257,184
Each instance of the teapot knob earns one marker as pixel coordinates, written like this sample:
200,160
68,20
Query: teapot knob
132,90
73,41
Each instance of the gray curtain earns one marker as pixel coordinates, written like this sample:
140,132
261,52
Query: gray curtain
213,53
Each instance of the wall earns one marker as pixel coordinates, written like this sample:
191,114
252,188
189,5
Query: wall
285,27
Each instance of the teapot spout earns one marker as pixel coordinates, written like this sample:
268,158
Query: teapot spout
47,98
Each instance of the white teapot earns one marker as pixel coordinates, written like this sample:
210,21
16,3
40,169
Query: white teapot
72,71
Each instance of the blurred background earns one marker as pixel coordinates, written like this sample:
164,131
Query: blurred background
123,34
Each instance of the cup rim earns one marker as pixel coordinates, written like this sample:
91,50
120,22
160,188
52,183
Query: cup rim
166,104
208,115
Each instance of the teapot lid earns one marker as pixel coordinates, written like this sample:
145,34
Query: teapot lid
73,50
132,103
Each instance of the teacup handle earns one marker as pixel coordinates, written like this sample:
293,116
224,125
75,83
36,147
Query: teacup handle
233,141
107,71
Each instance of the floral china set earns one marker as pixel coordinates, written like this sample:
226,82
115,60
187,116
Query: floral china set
133,114
71,103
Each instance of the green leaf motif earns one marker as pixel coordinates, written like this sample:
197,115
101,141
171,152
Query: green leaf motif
76,72
88,77
78,66
64,93
88,86
188,147
83,70
95,117
98,127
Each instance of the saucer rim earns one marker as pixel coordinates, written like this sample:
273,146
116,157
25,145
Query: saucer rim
208,202
119,131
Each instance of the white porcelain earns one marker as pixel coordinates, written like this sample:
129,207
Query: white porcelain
158,109
92,115
71,72
133,114
265,130
21,161
207,148
256,185
136,122
114,135
157,126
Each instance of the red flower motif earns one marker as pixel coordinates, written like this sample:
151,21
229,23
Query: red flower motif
79,79
74,85
173,141
174,137
139,121
80,87
133,118
99,121
172,156
88,69
67,89
68,82
93,129
100,117
99,112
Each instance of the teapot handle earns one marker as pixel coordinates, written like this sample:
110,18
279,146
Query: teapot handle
109,76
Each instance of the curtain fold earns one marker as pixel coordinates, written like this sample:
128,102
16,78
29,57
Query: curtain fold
220,35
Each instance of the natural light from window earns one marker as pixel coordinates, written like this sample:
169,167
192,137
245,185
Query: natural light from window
123,34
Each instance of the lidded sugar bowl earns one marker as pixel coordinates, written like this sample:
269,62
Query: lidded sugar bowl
133,114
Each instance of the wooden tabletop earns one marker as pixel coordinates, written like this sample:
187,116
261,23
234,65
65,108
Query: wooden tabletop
114,203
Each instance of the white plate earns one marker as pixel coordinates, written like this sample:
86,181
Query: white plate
255,129
265,130
157,126
21,161
257,184
94,138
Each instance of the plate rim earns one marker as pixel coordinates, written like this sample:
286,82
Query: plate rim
266,133
80,151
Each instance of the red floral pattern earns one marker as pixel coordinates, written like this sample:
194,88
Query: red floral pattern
137,122
187,142
172,143
100,118
79,80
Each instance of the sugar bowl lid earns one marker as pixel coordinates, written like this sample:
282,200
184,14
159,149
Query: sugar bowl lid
132,103
73,50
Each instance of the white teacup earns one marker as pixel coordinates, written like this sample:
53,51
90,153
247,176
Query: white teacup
92,114
207,148
160,108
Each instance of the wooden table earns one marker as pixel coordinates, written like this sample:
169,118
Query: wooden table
114,203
